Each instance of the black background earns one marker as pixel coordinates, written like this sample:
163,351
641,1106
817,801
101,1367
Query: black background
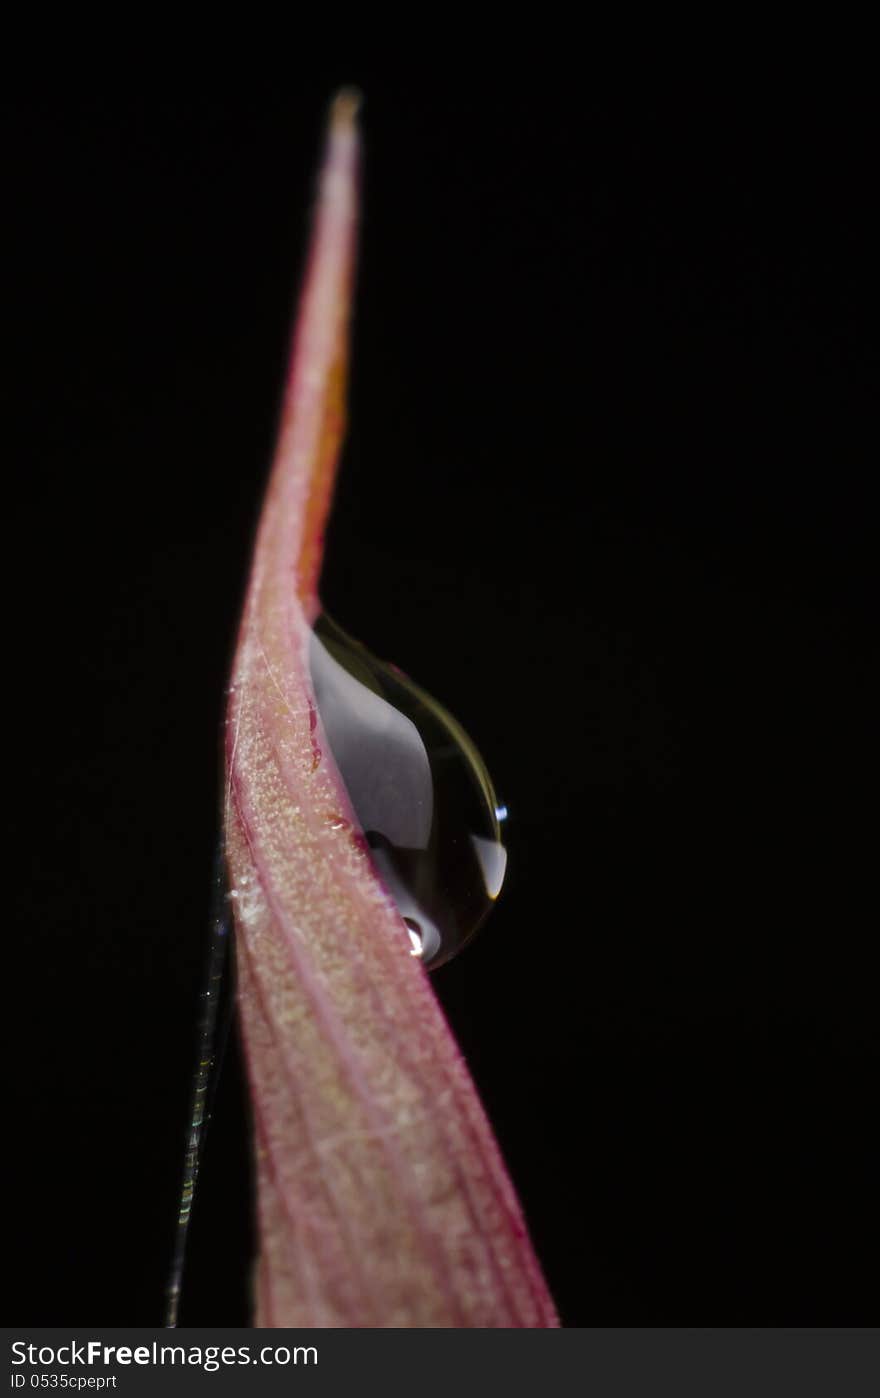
605,493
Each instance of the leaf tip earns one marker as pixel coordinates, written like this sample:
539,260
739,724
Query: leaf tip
344,109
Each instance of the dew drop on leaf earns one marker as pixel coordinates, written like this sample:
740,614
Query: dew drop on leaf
419,789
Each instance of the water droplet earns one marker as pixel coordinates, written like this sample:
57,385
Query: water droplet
419,789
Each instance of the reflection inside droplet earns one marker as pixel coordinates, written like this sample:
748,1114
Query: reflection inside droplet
415,936
419,789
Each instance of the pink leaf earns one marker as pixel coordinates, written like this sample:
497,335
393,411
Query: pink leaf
382,1197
